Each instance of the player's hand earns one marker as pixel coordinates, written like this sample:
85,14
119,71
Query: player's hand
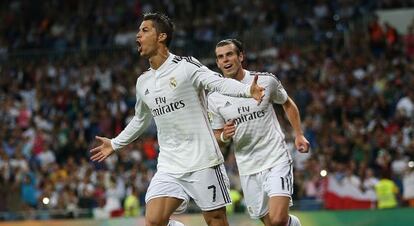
104,150
229,130
302,144
257,91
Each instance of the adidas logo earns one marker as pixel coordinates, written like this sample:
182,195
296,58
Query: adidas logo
227,104
146,92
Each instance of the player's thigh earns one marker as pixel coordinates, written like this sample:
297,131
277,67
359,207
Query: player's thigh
159,210
279,187
209,188
165,195
255,197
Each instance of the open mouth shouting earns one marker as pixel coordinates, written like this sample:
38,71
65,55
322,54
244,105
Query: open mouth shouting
139,46
227,66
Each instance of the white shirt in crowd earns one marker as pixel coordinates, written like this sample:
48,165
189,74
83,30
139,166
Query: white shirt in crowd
408,185
406,106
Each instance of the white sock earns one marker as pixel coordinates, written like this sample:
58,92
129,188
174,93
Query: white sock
175,223
293,221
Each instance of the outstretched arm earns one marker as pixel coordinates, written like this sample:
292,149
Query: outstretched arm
131,132
102,151
292,112
108,146
203,77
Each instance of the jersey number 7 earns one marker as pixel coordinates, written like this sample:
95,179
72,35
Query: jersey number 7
214,191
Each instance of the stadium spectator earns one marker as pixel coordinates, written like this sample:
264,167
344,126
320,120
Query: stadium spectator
131,204
408,185
377,37
409,42
386,191
405,106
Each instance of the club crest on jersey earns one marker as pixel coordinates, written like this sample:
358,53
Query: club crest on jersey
146,92
227,104
173,83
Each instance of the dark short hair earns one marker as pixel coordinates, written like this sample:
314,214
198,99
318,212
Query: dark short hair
235,42
162,24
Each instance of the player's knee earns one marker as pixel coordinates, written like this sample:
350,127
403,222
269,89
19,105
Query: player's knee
218,221
156,221
278,220
216,217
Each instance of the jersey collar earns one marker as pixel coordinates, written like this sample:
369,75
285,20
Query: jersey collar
246,77
165,64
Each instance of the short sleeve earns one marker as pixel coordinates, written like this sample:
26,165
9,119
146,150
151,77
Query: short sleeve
278,94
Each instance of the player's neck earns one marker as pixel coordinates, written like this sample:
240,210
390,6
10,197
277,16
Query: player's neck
159,58
240,74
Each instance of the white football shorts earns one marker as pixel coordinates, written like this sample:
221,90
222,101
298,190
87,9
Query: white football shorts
209,188
259,187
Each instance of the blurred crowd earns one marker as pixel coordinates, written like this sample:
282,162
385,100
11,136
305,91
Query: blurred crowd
61,26
355,94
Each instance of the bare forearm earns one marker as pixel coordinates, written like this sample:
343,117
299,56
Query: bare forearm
292,113
217,134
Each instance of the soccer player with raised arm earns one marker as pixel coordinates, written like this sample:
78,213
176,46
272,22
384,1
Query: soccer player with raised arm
190,163
262,156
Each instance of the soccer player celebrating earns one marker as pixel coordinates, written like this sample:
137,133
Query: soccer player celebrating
263,159
190,163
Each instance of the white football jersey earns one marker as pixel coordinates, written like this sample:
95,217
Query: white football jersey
259,141
174,95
